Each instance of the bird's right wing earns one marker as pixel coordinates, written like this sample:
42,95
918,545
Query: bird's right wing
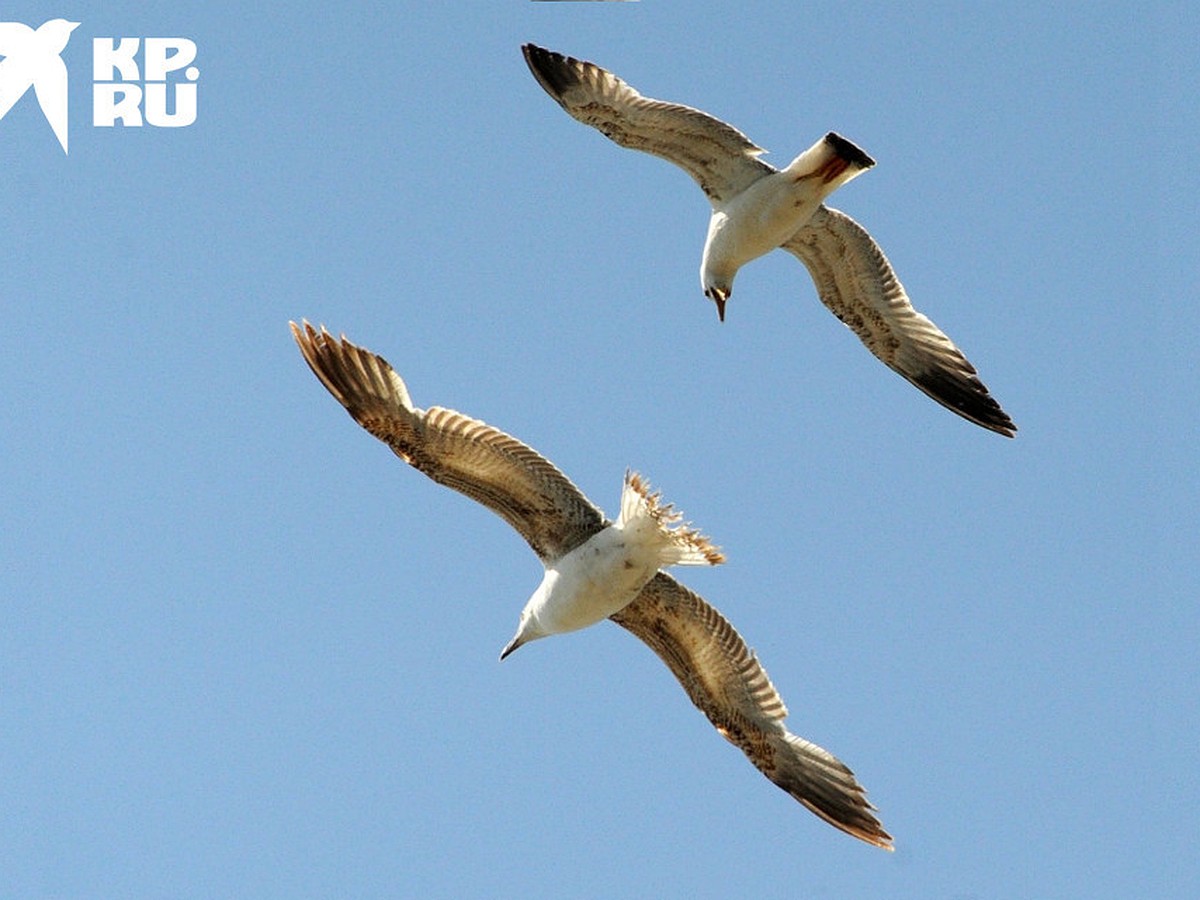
721,159
723,677
473,458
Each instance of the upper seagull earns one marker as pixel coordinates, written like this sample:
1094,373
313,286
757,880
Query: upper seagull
757,208
595,568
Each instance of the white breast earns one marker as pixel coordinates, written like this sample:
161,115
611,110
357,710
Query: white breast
595,580
754,223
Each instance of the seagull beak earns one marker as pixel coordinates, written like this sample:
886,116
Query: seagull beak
512,645
718,297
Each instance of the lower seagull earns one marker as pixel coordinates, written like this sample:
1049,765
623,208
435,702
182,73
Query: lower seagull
596,569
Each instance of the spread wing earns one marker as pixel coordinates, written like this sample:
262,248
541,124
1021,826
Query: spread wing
473,458
857,283
720,159
723,677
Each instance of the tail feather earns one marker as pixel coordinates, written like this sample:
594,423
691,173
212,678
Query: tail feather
833,161
682,545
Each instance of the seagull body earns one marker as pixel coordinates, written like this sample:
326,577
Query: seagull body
606,572
587,578
754,222
757,208
33,59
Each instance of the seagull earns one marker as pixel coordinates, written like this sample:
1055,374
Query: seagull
33,59
757,208
599,569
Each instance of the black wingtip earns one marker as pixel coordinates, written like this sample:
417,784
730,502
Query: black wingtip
969,398
848,151
554,71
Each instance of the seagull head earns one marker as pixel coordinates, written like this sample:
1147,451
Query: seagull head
528,630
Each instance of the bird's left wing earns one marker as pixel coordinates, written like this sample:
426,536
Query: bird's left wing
856,281
723,677
720,159
472,457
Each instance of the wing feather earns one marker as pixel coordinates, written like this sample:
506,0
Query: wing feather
856,281
720,159
726,682
487,465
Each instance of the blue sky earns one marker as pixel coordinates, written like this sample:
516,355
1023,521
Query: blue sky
246,651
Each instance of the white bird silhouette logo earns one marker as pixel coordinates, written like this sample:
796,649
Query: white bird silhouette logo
32,59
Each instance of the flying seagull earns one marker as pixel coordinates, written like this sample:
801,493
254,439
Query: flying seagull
577,544
757,208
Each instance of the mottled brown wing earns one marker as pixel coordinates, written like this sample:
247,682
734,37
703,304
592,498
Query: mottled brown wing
473,458
856,281
723,677
720,159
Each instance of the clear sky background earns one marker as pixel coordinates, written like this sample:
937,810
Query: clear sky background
245,651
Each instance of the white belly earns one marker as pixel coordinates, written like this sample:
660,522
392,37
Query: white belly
595,580
754,223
